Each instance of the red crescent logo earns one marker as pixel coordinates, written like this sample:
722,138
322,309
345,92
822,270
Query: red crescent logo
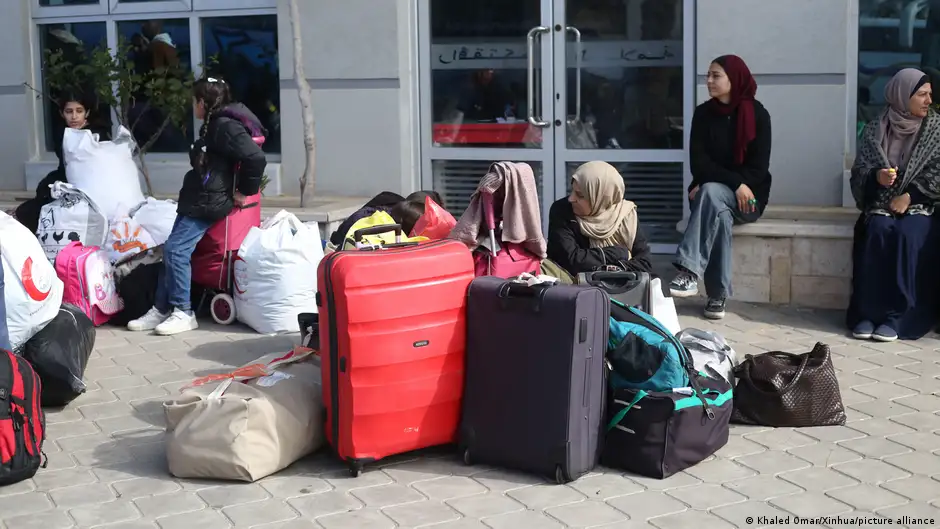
29,285
235,277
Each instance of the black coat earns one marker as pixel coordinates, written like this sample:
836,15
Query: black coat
711,152
233,161
571,249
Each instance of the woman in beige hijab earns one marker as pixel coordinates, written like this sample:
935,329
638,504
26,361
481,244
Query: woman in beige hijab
594,228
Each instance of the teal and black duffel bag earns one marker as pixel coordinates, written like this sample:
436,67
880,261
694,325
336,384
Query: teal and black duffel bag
659,433
642,354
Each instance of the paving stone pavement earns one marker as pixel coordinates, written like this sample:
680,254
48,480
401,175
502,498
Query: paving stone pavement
107,467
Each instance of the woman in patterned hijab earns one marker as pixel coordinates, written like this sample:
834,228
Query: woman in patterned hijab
896,185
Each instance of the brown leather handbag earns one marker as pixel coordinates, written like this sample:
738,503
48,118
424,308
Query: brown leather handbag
788,390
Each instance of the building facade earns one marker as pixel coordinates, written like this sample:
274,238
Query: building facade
413,94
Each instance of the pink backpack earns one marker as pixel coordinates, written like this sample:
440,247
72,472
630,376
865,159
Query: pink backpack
89,281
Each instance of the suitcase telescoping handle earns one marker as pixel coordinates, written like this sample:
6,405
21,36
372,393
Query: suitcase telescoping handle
383,228
615,282
513,290
489,216
376,230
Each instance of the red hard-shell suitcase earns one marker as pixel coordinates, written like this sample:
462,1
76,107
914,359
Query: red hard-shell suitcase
393,340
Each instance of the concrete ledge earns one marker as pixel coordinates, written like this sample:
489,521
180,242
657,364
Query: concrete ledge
796,256
795,228
328,212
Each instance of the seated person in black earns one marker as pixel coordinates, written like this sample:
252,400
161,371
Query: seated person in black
594,228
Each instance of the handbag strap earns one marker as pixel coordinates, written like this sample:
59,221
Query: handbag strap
623,413
789,386
220,390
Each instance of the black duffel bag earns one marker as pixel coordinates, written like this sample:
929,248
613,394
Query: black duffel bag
59,354
659,433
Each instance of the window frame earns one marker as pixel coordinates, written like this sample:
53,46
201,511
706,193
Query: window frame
120,7
79,14
38,11
219,5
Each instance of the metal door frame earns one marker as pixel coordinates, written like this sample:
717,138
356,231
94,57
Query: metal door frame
542,155
564,155
553,155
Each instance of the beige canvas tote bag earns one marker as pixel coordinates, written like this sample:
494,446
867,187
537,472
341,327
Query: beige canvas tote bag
248,424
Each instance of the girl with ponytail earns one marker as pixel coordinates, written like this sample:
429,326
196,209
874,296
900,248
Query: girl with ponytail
227,166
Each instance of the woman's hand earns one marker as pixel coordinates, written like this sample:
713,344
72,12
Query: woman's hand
693,193
899,204
239,199
746,201
886,177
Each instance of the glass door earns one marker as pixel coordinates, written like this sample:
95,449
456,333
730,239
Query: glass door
556,83
486,93
624,93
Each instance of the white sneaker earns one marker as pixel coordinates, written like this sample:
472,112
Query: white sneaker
178,322
148,322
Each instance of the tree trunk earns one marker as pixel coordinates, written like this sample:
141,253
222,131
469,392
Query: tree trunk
305,94
146,172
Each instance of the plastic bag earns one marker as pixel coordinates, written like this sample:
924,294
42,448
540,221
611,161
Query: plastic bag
157,217
663,309
104,170
32,290
59,354
436,223
126,239
275,274
72,216
710,353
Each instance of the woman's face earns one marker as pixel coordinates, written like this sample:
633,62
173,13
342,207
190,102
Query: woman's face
579,203
719,86
920,101
75,115
199,108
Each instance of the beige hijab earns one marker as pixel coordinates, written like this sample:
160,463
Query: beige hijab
613,220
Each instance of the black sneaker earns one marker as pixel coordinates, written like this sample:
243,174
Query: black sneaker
685,285
715,308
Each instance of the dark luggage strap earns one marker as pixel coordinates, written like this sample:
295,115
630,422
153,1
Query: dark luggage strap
623,413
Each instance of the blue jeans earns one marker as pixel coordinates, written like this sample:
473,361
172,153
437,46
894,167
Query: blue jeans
705,249
4,332
173,285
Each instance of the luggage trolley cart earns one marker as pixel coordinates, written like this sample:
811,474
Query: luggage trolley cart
213,261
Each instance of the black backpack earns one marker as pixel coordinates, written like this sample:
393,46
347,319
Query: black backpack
22,422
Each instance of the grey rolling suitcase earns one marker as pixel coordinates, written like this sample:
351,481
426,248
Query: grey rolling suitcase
535,391
630,288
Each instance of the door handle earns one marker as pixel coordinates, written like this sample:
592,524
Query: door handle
577,81
530,38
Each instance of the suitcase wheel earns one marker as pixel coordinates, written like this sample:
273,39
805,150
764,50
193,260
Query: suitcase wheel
222,309
355,469
466,457
560,476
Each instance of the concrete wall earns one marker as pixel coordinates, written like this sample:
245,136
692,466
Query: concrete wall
357,57
798,52
17,142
